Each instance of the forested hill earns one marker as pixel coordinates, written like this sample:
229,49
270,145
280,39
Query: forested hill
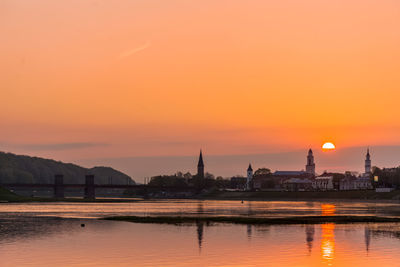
25,169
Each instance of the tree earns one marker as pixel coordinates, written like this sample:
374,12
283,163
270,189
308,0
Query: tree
209,176
262,172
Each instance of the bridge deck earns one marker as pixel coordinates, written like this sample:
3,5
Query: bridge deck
99,186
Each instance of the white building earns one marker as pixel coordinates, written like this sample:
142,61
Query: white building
323,183
351,183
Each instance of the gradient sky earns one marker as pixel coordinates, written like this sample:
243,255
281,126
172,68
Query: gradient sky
86,81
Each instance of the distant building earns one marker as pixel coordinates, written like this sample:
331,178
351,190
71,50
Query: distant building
238,182
200,166
363,183
323,183
275,180
297,184
355,183
249,177
367,164
310,167
291,174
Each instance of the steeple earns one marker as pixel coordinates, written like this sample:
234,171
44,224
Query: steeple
367,163
201,163
200,166
249,168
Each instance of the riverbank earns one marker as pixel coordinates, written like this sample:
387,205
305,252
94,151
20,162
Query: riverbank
253,220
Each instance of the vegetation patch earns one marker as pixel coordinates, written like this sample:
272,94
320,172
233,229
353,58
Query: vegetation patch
252,220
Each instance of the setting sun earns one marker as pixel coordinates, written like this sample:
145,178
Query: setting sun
328,146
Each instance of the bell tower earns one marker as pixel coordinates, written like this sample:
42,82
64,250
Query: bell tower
310,167
249,177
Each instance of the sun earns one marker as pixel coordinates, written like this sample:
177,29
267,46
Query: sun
328,146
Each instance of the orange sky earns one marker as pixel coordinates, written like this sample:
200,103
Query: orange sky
84,79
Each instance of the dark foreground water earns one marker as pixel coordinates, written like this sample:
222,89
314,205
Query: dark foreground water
50,234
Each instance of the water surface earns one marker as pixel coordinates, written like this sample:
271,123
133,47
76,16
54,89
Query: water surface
50,234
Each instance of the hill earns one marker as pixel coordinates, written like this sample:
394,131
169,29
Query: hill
25,169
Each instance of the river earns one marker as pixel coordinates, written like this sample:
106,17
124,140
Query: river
51,234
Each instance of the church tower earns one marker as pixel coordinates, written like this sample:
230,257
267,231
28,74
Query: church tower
249,177
368,163
200,166
310,167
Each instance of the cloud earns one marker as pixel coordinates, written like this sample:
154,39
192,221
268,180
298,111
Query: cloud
135,50
55,146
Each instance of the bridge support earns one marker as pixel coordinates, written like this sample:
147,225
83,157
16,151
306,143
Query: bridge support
59,186
89,187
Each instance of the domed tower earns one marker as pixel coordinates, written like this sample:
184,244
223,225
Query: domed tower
368,163
249,177
200,166
310,167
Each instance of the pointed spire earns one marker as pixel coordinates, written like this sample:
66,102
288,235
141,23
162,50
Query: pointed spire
201,163
310,151
249,168
368,151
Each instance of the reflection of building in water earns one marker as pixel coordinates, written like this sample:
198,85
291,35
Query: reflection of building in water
328,242
249,231
200,230
310,231
200,208
328,209
367,235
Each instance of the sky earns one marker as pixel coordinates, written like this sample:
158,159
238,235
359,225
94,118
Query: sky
121,83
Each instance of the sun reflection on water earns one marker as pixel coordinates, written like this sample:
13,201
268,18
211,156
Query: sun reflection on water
328,242
328,209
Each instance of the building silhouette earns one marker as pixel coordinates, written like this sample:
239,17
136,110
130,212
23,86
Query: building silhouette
200,166
310,167
249,177
368,163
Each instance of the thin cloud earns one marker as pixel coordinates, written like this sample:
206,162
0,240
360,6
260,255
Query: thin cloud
135,50
57,146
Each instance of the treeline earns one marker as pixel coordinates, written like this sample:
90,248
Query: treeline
387,177
25,169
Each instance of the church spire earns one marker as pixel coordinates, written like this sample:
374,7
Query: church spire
368,163
201,163
249,168
200,166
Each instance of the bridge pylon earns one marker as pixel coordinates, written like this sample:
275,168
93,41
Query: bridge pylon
89,187
59,186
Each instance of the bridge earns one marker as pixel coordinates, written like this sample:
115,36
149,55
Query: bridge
90,187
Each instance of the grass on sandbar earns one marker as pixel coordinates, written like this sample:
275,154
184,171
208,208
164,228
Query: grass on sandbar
252,220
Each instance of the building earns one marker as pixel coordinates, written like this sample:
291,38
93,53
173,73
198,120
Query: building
249,177
367,164
323,183
274,181
363,182
355,183
297,184
238,182
310,167
200,166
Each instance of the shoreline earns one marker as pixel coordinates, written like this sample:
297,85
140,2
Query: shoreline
177,220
